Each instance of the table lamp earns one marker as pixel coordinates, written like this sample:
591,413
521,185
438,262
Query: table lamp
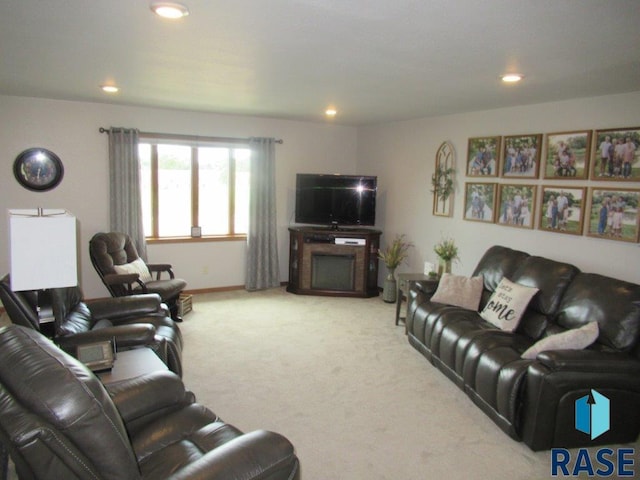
43,254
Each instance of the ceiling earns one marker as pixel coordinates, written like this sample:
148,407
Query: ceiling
375,60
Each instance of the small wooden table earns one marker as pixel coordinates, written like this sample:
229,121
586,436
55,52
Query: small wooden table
405,281
131,364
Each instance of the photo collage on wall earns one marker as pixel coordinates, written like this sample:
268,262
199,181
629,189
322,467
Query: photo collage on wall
589,203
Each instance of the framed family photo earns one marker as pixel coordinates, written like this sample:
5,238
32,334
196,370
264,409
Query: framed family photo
562,209
616,155
567,155
483,156
517,205
521,156
479,202
614,214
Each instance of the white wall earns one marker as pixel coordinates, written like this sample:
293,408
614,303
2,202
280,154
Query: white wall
70,129
403,156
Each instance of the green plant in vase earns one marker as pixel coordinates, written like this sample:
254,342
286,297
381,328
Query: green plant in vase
392,256
447,253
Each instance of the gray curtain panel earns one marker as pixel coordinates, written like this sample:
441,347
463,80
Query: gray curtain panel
262,269
124,177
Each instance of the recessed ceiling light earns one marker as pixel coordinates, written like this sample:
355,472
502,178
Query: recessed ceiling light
330,112
512,77
109,88
171,10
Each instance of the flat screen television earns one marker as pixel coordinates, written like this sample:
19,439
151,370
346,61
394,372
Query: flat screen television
336,200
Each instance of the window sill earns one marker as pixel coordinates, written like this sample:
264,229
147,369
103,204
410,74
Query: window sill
205,239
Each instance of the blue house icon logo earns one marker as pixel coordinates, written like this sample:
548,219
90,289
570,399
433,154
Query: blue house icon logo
593,414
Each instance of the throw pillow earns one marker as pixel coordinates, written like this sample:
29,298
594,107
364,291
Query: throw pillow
137,266
574,339
507,304
459,291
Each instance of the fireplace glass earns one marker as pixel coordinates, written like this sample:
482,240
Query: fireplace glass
333,272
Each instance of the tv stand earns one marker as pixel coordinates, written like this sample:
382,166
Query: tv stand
333,261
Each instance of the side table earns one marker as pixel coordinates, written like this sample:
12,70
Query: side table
131,364
405,281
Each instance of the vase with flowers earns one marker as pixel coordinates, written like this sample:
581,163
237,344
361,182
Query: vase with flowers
392,256
447,252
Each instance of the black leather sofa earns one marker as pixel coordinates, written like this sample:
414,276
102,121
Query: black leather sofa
533,400
59,422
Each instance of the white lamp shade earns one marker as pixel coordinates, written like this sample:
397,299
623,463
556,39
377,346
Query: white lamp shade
43,251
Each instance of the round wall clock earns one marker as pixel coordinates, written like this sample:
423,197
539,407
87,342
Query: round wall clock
38,169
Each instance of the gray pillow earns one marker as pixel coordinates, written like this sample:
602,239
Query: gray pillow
574,339
459,291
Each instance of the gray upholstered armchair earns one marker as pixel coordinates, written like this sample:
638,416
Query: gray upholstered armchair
123,272
59,421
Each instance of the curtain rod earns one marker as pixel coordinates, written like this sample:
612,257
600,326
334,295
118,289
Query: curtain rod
191,137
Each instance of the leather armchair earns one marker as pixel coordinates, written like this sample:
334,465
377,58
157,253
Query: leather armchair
59,421
139,320
111,250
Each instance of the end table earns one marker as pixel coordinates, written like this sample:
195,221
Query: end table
132,363
405,281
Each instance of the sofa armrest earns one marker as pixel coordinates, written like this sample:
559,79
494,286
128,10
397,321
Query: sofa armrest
125,336
254,455
558,378
129,306
142,399
427,287
591,361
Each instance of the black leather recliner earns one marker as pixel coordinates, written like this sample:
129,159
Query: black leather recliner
139,320
58,421
111,250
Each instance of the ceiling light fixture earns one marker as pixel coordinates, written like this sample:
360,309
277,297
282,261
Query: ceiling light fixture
172,10
109,88
330,112
512,77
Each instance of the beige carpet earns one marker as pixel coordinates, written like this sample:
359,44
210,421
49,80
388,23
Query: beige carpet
340,380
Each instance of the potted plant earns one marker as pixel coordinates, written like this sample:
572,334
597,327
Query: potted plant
447,252
393,256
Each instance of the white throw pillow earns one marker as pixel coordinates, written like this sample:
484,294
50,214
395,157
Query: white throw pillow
507,304
137,266
459,291
574,339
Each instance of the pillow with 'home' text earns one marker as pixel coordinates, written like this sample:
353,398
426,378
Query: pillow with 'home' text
507,304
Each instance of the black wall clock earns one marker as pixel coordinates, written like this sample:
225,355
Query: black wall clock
38,169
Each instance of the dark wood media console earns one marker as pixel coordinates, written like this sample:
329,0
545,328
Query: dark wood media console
325,261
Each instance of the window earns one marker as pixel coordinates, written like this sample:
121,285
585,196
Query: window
189,183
